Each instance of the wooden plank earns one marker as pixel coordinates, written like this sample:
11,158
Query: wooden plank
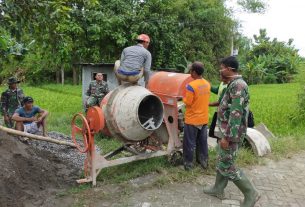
36,137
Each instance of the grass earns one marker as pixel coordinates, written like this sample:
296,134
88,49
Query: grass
74,190
274,105
286,147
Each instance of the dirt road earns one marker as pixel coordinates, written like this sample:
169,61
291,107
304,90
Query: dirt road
280,183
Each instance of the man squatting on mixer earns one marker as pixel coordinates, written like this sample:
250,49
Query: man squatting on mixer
196,118
135,61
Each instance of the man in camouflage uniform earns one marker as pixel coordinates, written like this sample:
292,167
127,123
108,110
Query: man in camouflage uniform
11,99
98,89
232,120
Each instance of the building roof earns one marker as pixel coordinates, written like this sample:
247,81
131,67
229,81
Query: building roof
96,64
112,64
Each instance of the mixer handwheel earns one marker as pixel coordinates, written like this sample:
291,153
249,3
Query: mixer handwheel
84,130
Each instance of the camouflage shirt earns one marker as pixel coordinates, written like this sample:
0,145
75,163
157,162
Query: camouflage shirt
97,89
233,111
11,100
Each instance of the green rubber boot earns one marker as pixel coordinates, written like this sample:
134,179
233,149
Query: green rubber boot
250,193
217,190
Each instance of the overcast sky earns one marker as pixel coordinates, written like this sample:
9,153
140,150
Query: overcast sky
283,20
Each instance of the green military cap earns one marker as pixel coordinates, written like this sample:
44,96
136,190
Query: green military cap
12,80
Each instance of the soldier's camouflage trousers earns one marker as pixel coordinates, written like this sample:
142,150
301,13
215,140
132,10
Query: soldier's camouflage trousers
93,101
10,123
226,162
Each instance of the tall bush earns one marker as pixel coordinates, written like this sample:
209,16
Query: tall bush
269,61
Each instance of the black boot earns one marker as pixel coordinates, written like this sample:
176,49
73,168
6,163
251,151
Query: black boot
204,163
188,166
200,160
217,190
250,193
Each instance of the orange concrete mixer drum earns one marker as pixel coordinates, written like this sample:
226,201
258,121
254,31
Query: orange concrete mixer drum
169,84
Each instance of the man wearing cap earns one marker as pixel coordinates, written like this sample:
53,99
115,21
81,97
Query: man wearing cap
232,121
11,99
29,118
135,61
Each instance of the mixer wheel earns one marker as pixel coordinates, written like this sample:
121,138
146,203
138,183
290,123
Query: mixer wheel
176,158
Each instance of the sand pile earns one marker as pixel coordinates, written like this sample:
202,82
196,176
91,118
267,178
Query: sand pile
29,176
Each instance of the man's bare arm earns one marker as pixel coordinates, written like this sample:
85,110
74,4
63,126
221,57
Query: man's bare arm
43,114
216,103
18,118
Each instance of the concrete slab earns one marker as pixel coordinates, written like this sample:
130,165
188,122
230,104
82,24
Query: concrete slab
262,128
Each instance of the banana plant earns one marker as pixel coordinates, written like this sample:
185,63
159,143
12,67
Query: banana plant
185,65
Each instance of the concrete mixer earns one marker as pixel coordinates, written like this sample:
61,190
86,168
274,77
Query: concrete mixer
135,116
150,118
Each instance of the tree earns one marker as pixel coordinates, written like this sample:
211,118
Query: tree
270,61
67,32
253,6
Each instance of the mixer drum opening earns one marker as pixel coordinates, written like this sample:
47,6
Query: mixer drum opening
150,112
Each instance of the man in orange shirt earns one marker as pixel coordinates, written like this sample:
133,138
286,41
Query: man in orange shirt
196,101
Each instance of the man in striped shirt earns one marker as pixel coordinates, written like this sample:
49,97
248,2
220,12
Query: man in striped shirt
135,61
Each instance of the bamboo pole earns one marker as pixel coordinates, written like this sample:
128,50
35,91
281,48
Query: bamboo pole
34,136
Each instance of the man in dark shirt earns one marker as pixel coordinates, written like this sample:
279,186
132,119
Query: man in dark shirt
29,118
220,91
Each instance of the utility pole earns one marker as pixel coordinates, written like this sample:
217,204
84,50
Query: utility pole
232,44
234,52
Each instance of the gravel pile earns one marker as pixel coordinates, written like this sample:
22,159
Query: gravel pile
64,152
